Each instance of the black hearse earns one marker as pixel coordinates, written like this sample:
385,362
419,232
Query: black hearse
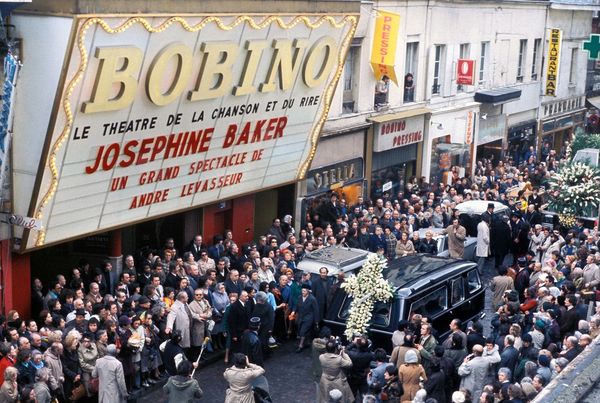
439,288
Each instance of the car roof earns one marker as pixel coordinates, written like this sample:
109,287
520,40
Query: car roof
479,206
335,258
410,270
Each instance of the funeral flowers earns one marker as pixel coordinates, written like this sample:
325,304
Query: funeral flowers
367,288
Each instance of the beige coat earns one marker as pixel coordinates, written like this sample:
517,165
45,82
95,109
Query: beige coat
398,353
333,376
111,380
240,383
408,376
202,312
456,242
56,370
405,249
179,319
499,285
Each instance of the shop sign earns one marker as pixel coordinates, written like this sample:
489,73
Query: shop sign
553,62
333,176
469,127
383,52
20,221
465,72
160,115
398,133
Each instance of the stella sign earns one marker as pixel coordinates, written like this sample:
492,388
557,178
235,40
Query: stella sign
164,114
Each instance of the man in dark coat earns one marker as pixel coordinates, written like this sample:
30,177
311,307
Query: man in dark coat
509,358
500,240
251,345
522,278
570,319
264,311
321,285
307,315
237,321
331,210
361,357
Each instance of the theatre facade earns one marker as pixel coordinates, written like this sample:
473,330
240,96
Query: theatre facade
133,127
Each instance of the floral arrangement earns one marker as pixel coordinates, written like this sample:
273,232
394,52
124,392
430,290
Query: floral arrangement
574,189
366,288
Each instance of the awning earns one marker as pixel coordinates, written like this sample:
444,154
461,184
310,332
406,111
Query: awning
595,101
497,95
388,117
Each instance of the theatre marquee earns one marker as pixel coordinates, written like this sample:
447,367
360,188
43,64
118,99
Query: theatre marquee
161,114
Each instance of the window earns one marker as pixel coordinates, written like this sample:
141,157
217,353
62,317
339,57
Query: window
458,291
464,53
521,65
573,68
381,312
410,71
438,68
485,48
473,281
536,54
430,305
350,78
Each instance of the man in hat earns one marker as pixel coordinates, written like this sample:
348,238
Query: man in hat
522,278
307,315
489,213
79,323
251,345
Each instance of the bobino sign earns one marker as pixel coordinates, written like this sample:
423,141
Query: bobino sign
160,115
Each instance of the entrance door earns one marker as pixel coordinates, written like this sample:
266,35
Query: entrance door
223,221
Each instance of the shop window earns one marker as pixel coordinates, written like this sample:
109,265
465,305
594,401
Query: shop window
410,71
485,49
351,80
438,69
398,175
464,53
521,65
535,62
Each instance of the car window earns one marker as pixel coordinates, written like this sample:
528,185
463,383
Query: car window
458,291
431,304
381,312
473,281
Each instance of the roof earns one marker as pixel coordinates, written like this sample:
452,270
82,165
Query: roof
335,258
479,206
401,272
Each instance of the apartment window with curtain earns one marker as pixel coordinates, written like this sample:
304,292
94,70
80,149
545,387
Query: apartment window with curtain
573,67
464,53
485,49
521,65
410,71
350,80
537,46
438,69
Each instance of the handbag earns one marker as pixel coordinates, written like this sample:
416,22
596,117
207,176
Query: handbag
77,393
210,325
94,385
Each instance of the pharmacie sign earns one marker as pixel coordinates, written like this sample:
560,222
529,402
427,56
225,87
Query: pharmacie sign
398,133
164,114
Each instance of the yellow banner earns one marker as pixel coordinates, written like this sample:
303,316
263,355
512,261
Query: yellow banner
553,62
385,38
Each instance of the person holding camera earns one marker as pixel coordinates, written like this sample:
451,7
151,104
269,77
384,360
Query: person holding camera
240,378
333,363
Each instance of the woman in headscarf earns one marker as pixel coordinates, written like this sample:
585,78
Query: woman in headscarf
409,374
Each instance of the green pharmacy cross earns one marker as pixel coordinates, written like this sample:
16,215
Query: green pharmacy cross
593,46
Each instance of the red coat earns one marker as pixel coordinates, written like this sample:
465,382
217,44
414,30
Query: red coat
5,362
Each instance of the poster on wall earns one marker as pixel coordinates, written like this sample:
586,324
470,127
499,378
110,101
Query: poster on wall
159,115
465,72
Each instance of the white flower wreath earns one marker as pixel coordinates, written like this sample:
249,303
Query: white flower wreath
366,288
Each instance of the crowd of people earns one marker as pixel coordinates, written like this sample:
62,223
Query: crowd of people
94,333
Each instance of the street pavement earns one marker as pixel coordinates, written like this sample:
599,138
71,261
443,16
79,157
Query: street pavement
288,373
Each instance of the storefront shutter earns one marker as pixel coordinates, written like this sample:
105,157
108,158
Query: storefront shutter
394,157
